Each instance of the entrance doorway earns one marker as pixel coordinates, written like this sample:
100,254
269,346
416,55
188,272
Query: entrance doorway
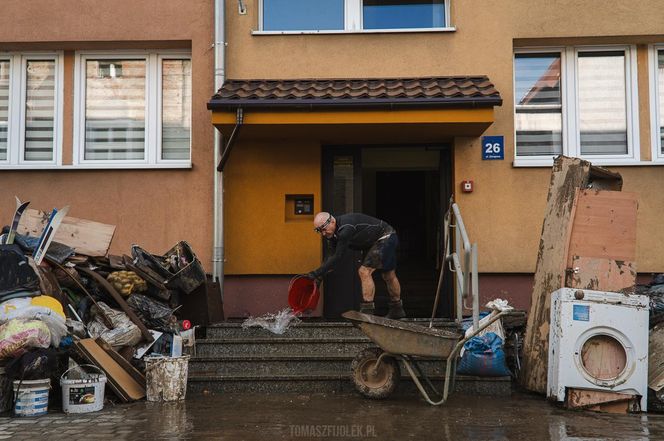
406,187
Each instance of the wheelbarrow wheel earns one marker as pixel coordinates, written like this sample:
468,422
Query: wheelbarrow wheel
371,382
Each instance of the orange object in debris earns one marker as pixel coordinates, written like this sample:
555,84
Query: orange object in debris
303,294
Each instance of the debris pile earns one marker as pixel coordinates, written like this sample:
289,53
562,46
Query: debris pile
65,302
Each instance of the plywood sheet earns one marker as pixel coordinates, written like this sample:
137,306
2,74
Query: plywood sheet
568,174
115,373
86,237
601,274
604,226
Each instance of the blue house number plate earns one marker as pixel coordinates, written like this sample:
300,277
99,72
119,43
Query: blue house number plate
493,147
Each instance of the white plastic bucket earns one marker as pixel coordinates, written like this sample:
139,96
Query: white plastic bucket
82,395
166,378
31,397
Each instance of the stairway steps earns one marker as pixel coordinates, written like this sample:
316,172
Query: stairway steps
333,383
281,346
287,365
297,331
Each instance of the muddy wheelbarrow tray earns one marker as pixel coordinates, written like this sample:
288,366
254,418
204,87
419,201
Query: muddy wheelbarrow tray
402,340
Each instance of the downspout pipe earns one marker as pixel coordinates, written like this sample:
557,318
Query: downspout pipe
218,203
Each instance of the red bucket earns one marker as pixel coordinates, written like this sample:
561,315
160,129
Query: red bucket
303,294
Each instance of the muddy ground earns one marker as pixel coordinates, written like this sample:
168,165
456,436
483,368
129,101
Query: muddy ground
333,416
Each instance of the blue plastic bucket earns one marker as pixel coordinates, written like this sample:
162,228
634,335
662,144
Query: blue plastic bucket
31,397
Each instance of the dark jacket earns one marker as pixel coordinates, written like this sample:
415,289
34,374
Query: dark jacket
355,231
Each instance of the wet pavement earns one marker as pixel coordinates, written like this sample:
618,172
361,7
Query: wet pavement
241,417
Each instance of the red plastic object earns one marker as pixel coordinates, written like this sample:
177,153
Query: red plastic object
186,325
303,294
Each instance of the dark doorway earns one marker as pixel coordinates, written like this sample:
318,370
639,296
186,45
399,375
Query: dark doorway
410,202
406,187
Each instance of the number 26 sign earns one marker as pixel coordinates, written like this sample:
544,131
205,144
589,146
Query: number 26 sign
493,147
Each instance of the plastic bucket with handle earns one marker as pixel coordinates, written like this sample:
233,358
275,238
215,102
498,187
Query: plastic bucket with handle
303,294
85,394
31,397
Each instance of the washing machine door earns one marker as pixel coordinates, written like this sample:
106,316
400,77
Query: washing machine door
605,356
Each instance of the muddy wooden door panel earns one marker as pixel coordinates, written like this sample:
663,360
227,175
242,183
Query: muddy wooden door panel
604,226
601,274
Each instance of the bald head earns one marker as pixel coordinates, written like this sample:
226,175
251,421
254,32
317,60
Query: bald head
325,224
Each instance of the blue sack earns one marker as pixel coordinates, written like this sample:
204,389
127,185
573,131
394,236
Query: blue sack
484,357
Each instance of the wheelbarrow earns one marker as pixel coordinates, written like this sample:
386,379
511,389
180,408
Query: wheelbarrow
375,371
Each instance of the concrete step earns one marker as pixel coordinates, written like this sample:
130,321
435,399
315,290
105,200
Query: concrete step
219,347
304,329
332,383
301,330
276,365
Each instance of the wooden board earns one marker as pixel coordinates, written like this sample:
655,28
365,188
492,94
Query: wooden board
601,401
604,226
568,174
656,358
601,274
128,386
85,236
119,359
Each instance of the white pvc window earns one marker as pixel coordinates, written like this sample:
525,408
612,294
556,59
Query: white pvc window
30,110
330,16
577,101
132,109
657,101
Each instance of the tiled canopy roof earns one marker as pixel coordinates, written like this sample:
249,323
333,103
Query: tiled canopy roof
417,92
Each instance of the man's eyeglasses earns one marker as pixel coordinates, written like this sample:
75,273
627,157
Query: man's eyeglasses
321,227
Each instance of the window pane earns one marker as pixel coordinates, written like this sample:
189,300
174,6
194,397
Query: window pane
303,15
176,109
4,107
400,14
602,103
660,80
115,109
39,110
342,170
538,103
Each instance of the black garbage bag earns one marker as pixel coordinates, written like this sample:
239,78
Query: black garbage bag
16,274
154,314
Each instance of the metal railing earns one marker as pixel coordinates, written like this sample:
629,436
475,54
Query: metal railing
462,261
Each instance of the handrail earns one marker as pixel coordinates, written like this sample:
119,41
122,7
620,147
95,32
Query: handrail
466,275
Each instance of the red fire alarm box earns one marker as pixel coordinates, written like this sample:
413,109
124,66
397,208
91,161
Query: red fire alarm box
467,186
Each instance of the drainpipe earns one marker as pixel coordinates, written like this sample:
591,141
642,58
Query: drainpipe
218,208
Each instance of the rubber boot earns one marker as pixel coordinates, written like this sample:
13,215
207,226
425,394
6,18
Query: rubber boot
395,310
367,308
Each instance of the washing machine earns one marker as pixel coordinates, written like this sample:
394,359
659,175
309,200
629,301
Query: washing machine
598,341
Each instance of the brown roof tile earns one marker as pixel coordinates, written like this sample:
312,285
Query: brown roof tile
437,91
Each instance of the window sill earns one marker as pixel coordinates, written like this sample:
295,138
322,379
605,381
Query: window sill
96,167
601,162
359,31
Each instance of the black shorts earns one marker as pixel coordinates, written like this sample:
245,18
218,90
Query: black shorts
383,254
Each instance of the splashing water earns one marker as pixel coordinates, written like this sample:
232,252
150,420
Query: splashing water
275,323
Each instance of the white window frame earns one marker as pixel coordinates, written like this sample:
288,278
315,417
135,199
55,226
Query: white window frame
353,22
655,141
570,106
153,110
16,110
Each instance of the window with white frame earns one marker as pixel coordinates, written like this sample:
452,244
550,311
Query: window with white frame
30,110
657,102
133,109
353,15
578,101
